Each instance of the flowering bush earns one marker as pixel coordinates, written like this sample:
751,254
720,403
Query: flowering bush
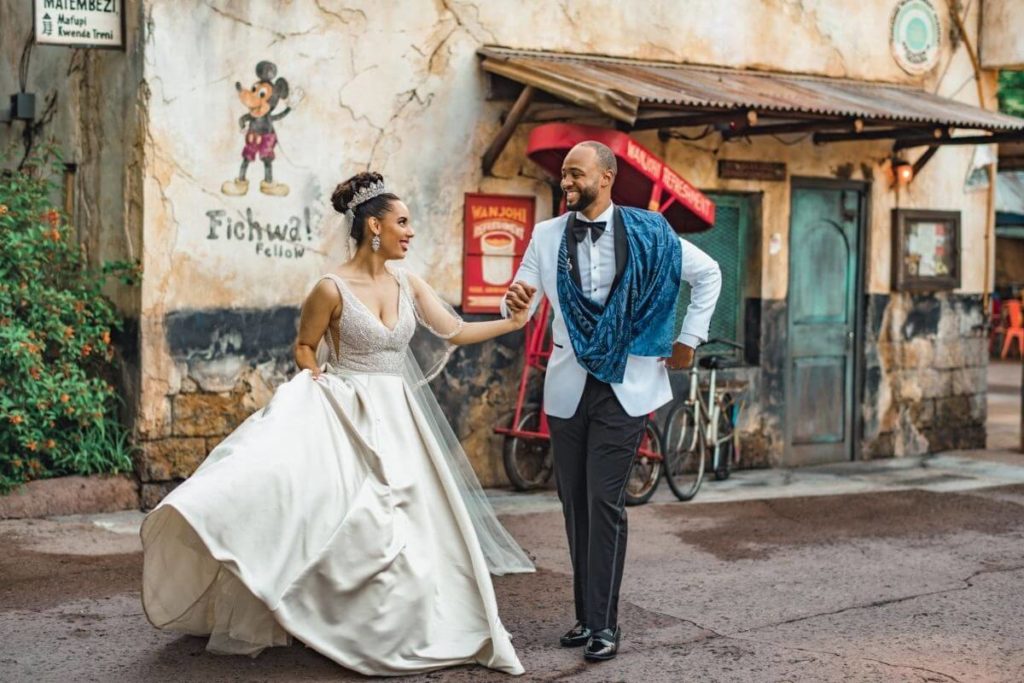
57,408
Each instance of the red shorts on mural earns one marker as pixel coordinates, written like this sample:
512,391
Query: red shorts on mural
259,144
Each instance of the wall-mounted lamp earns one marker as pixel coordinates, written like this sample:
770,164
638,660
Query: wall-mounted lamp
902,172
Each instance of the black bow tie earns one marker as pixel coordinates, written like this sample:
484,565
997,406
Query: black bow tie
580,229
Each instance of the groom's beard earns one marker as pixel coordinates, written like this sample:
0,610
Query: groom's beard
588,195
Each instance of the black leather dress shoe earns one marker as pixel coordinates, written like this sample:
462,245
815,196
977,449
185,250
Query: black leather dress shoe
604,644
577,636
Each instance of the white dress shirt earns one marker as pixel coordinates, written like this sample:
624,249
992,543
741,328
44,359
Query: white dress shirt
645,384
596,262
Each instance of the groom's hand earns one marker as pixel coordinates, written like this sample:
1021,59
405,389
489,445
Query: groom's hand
519,296
682,357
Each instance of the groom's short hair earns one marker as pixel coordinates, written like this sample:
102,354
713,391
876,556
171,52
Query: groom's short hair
605,155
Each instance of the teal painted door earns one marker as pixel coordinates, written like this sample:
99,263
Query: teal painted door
823,284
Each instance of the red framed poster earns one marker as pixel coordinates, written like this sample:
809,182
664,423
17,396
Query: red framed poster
498,228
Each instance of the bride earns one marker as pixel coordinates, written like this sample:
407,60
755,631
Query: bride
344,513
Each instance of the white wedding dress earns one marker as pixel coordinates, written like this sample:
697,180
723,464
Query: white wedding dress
334,515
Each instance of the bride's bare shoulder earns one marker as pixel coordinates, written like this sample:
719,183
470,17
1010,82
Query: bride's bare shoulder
325,292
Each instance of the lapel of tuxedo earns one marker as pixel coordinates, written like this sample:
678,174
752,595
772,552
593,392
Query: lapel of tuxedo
573,248
621,248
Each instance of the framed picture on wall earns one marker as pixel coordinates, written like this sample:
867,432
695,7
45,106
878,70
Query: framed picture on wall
926,250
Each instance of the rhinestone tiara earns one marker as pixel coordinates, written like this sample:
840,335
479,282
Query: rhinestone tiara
367,193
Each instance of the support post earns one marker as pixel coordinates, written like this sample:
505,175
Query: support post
515,115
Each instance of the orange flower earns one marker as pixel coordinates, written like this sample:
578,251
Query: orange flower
69,410
3,209
52,217
69,332
34,372
15,419
79,306
54,235
31,445
86,349
50,443
64,398
35,465
105,336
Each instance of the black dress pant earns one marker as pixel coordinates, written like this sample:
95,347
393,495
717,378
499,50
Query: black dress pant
593,452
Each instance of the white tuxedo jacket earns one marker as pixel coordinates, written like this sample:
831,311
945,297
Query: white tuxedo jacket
645,386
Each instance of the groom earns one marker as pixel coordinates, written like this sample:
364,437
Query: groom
613,276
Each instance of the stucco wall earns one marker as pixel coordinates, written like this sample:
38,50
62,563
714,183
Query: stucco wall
397,88
1001,46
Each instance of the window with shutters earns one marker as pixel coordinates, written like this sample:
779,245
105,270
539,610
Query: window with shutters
726,242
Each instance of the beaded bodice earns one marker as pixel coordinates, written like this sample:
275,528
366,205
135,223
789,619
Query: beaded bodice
360,342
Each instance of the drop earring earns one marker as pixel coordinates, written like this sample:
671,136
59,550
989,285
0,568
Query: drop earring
375,243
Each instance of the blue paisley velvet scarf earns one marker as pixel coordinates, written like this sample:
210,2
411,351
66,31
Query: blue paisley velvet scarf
639,316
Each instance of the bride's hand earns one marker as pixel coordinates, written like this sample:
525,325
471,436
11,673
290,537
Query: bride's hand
520,317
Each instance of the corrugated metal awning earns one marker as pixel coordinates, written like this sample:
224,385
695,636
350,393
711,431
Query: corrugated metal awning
626,90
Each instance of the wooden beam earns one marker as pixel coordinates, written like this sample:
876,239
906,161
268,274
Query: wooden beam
924,159
926,135
851,125
1013,136
742,117
559,113
515,115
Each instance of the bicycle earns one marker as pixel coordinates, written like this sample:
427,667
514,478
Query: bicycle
702,428
527,449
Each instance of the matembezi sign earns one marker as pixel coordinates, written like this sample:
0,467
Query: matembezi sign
79,23
498,228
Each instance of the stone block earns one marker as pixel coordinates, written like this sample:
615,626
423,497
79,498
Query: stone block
922,413
208,414
917,353
969,381
880,447
953,412
154,419
979,408
975,352
152,494
949,353
174,458
922,383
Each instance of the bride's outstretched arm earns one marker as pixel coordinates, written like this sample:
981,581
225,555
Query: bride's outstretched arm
317,311
440,319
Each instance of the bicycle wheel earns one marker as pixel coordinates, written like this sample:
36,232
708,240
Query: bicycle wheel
684,452
645,474
528,461
726,437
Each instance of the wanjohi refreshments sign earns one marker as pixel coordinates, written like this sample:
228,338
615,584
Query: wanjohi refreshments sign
80,23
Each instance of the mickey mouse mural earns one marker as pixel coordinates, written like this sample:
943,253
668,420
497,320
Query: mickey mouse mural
258,124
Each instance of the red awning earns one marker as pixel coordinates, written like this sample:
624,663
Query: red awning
643,180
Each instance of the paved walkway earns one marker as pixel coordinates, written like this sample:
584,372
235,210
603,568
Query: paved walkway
893,570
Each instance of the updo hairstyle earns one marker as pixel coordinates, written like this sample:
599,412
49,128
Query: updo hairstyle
377,207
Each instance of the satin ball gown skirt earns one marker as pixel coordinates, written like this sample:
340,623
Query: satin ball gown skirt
332,517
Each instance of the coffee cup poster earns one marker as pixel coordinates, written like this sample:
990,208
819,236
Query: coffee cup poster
498,228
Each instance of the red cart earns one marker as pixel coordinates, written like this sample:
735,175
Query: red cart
527,448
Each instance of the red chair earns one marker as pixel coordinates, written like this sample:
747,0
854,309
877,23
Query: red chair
1015,328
